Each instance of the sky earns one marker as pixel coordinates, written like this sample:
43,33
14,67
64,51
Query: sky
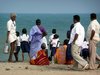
49,6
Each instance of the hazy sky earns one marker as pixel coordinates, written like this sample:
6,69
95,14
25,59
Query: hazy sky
50,6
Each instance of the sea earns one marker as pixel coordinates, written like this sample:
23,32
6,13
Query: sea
61,22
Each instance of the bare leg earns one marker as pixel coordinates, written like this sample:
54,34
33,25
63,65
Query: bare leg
16,56
22,56
12,45
29,56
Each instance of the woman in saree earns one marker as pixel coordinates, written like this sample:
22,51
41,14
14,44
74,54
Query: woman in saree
41,58
60,56
35,38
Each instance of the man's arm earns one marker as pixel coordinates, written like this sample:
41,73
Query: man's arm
92,34
7,36
75,38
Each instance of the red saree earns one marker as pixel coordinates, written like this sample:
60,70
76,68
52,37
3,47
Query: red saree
41,59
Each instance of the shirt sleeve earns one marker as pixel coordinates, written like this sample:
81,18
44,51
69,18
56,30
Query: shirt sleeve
77,30
93,26
8,26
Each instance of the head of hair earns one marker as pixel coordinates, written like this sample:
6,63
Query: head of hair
56,36
43,46
68,34
84,39
76,18
53,31
65,42
72,26
17,33
13,16
93,16
24,31
38,22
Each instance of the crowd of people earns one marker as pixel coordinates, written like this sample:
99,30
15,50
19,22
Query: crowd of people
76,48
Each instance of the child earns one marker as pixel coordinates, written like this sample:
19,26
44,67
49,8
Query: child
17,45
50,45
55,44
85,49
44,40
24,43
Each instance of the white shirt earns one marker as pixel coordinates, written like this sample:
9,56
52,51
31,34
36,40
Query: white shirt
78,29
24,37
44,40
85,45
94,25
51,37
54,42
18,41
11,27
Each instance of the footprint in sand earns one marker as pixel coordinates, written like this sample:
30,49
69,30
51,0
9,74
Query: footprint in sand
7,69
26,68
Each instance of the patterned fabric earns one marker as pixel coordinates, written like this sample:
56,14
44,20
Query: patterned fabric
60,55
41,59
35,38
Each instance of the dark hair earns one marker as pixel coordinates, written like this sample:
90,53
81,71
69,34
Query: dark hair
65,42
38,22
56,36
93,16
24,31
84,39
68,34
77,18
17,33
43,46
72,26
53,31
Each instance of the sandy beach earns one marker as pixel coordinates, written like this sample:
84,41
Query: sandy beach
24,68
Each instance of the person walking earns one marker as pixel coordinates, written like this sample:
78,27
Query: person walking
77,38
93,38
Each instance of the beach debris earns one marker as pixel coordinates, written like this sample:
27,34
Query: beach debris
7,69
26,67
19,67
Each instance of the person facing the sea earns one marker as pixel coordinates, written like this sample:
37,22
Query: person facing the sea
44,40
93,38
85,49
37,32
77,38
41,58
51,36
55,44
18,44
50,45
11,34
69,58
24,43
60,55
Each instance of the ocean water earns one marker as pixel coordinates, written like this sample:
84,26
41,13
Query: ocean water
61,22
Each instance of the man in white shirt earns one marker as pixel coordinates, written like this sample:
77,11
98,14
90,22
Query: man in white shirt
11,34
77,38
93,38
